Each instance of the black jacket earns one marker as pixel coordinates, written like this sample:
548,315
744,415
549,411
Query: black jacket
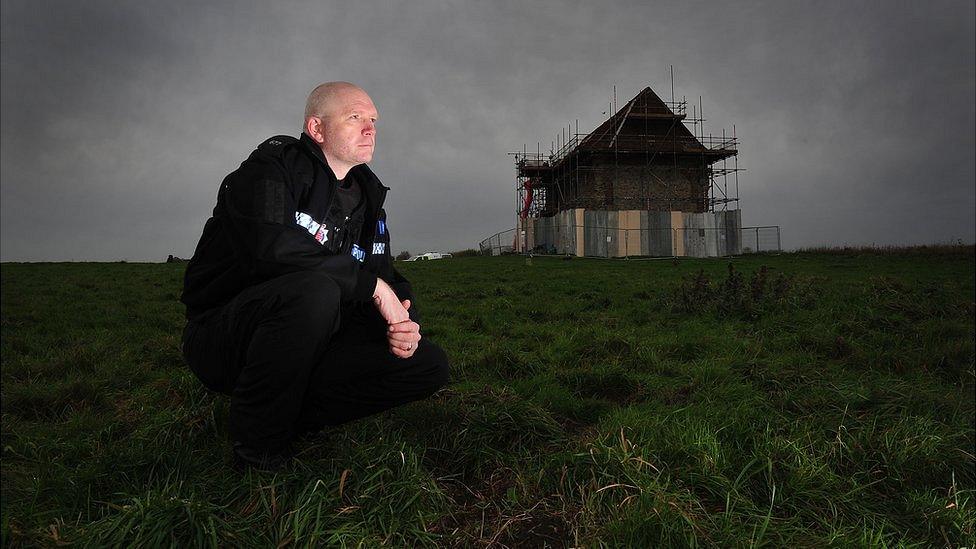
266,224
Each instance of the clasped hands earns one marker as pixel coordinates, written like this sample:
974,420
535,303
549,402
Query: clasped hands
402,334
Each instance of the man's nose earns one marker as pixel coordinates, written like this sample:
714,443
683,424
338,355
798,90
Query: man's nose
369,128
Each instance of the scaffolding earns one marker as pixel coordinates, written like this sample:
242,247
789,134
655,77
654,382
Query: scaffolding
643,157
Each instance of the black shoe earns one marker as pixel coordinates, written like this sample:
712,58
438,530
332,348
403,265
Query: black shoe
260,460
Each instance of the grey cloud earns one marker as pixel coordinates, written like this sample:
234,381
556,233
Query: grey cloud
119,120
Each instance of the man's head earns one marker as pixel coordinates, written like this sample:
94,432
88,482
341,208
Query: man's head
341,118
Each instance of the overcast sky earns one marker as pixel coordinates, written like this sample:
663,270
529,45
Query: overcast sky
119,119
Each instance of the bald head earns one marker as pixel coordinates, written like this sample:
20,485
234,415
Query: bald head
325,97
341,118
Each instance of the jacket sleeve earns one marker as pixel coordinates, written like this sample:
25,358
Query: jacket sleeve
384,266
258,203
401,286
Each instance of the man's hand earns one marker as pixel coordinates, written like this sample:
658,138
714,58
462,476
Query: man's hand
388,304
403,337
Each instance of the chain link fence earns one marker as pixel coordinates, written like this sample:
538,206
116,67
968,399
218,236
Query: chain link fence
761,239
500,243
590,241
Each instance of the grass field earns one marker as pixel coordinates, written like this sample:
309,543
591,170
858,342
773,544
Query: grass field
814,399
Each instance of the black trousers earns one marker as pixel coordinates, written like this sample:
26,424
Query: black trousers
293,360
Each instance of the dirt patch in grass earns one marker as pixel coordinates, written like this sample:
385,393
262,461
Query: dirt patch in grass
676,396
600,349
484,514
614,386
506,363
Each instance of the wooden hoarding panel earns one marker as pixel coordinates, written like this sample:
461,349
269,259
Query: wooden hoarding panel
677,233
578,221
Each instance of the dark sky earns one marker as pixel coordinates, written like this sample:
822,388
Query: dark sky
119,119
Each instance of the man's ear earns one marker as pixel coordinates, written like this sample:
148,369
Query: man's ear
314,128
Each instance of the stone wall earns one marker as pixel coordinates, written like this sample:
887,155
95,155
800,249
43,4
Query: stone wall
657,186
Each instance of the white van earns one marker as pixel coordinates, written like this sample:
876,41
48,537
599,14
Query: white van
428,256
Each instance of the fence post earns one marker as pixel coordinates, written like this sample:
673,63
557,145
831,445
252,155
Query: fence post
758,247
779,245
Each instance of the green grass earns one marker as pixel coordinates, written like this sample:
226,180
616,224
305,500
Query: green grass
811,399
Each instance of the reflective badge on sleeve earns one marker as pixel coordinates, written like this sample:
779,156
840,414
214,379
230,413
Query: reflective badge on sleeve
380,227
379,248
358,253
320,232
322,235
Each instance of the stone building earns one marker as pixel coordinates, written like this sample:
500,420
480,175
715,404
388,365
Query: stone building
640,184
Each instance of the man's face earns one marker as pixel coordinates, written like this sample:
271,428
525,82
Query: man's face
349,129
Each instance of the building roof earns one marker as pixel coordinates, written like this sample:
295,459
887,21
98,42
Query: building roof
647,124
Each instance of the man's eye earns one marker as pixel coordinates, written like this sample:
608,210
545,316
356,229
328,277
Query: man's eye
355,117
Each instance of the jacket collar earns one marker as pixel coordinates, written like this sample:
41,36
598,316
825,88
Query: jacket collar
313,148
362,173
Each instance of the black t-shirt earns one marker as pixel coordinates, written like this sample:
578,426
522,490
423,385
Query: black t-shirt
349,195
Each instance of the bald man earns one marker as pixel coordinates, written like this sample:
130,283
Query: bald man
293,306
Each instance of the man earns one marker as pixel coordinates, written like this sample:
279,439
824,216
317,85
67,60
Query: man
293,306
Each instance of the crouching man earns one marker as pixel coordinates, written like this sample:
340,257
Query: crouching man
293,306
